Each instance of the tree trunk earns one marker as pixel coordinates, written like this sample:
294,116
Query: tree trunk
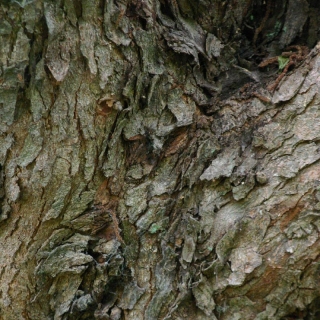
159,159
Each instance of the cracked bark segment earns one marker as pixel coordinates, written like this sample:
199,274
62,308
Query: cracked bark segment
171,159
116,23
181,107
150,51
58,54
213,46
204,300
222,166
87,31
131,294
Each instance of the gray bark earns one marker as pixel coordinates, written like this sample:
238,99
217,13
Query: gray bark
145,170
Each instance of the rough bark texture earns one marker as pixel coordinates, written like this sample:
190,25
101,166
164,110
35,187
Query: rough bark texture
146,171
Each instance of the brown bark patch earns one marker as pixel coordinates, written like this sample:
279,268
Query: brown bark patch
265,284
177,144
290,215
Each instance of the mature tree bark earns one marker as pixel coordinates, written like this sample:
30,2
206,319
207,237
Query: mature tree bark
159,159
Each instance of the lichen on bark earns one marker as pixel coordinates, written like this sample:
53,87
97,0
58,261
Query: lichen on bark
145,170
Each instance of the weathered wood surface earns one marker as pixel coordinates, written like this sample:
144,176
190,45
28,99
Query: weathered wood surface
139,178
